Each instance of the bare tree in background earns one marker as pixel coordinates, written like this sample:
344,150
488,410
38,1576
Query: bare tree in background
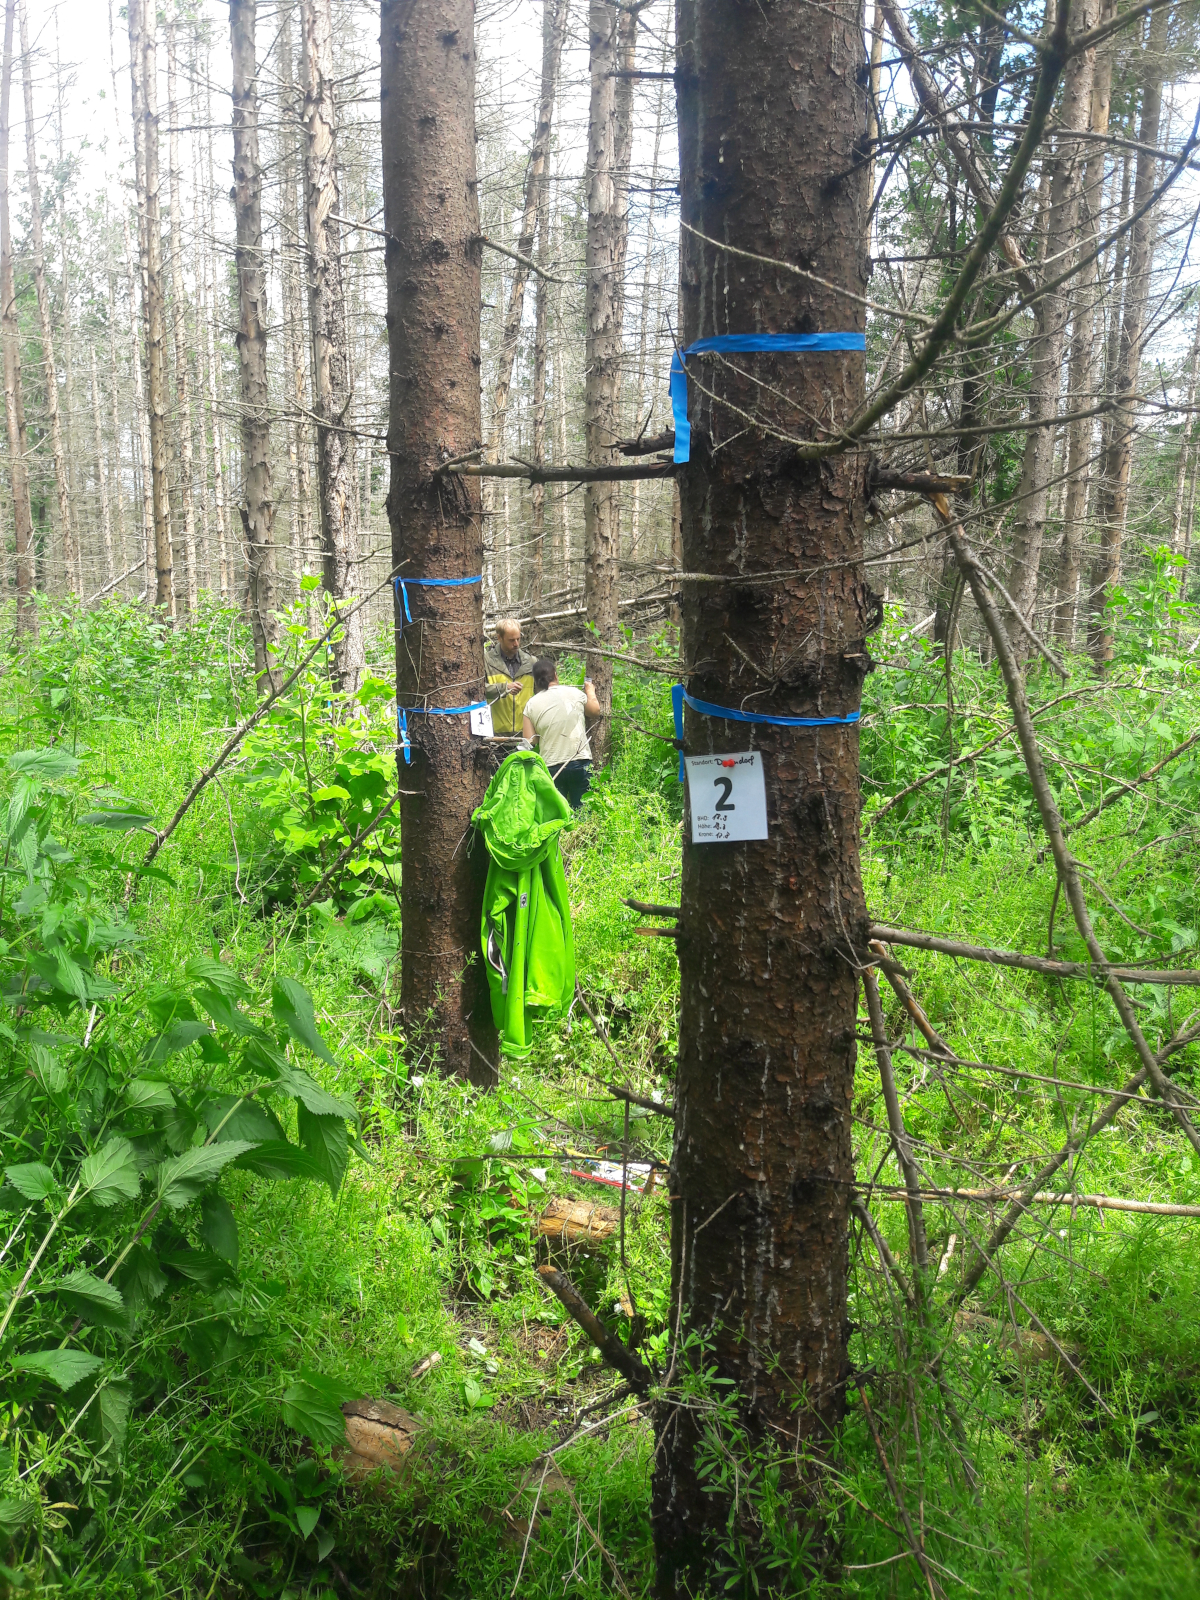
14,405
256,508
179,325
330,347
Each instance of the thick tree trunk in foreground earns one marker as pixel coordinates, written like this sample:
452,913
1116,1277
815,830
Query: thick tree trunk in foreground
45,320
431,218
607,235
14,405
144,75
330,347
1118,458
772,106
257,511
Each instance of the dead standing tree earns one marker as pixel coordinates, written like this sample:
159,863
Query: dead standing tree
772,114
256,508
14,405
330,346
432,257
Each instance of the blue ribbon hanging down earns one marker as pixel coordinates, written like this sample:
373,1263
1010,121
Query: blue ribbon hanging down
404,712
679,696
742,342
401,587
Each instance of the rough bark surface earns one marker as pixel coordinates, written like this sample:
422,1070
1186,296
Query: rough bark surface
607,236
1066,171
1118,457
772,106
14,405
432,257
330,345
144,76
45,320
256,508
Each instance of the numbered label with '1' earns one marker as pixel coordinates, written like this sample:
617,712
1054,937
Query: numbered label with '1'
728,796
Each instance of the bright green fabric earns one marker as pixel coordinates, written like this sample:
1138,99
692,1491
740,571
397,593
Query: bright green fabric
528,945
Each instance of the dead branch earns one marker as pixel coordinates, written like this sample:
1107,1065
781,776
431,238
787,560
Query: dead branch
638,1376
909,1001
1128,788
1085,970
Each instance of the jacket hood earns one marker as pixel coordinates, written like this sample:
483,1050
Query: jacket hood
522,812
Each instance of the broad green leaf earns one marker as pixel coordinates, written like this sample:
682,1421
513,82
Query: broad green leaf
226,1014
333,791
66,1368
16,1514
177,1037
209,973
296,1082
307,1518
250,1120
141,1278
182,1178
218,1227
91,1298
33,1180
313,1406
276,1158
118,821
110,1174
199,1266
114,1405
49,763
148,1094
328,1142
292,1005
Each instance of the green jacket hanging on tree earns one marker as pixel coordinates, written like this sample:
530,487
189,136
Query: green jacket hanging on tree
528,945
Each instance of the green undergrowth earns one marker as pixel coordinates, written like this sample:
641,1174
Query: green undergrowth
423,1242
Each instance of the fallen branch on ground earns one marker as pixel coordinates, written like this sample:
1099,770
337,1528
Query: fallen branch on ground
636,1374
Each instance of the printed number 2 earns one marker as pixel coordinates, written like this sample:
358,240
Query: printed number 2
726,787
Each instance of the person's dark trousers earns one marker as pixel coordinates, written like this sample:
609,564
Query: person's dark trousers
573,781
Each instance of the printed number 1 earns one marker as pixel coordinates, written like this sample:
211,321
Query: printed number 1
726,787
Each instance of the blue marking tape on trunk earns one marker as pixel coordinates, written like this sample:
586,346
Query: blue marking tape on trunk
680,696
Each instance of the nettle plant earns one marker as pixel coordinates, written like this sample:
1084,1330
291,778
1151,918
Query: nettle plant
321,767
123,1107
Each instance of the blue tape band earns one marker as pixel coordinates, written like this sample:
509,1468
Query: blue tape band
742,342
401,587
404,712
680,697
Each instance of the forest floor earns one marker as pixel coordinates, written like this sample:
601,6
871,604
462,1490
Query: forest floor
218,1478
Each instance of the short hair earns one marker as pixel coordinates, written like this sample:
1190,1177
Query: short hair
505,624
545,670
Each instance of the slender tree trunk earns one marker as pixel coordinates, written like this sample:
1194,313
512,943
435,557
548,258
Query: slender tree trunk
1084,365
635,498
1119,455
211,369
102,477
114,380
143,57
432,257
179,321
45,318
1185,438
1064,173
772,105
293,255
256,509
330,345
537,563
607,235
14,405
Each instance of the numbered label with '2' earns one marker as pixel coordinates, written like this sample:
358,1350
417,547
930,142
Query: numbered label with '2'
728,795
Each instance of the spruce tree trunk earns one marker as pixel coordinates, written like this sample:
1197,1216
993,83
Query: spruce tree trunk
432,257
330,347
1084,365
1066,169
256,508
607,236
772,108
45,319
179,324
144,73
14,404
291,269
210,360
1118,457
102,478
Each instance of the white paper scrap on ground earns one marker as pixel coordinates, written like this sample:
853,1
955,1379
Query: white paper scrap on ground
609,1172
728,795
481,722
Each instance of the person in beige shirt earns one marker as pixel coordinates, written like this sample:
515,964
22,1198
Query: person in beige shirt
555,719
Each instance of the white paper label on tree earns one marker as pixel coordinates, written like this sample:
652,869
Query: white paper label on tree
481,722
728,797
